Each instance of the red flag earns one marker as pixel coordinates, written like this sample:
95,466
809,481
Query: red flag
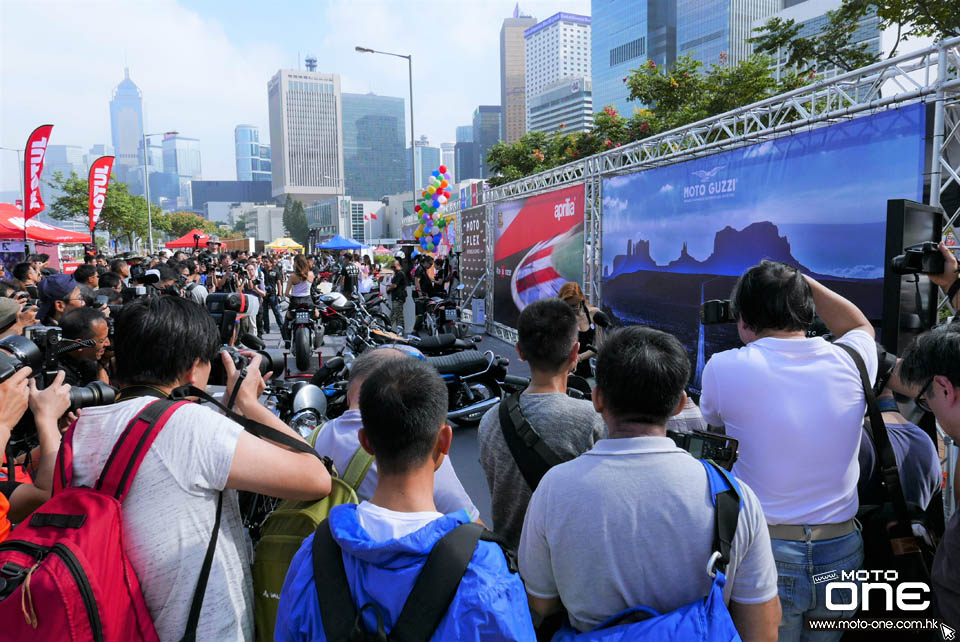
33,156
373,216
98,180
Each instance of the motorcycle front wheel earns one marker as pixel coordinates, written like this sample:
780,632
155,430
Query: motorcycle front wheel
301,348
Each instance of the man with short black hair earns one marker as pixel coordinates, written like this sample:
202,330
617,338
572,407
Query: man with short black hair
339,439
631,522
547,340
82,366
194,289
931,364
273,285
28,276
86,276
122,269
385,542
110,281
796,405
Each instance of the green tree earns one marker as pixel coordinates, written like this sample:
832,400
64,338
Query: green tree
124,215
672,97
182,222
295,221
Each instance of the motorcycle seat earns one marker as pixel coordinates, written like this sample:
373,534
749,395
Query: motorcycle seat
346,307
443,343
370,296
459,363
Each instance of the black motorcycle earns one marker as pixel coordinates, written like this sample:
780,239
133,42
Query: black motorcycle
306,334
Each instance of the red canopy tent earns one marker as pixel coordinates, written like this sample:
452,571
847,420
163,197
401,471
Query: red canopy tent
11,228
188,241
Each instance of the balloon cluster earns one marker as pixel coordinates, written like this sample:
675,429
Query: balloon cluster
436,193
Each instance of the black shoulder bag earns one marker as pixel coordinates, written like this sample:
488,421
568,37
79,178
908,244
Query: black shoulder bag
530,452
888,539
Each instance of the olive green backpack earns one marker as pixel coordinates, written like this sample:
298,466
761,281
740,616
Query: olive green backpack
283,534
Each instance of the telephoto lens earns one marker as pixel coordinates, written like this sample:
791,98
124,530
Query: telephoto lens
17,352
95,393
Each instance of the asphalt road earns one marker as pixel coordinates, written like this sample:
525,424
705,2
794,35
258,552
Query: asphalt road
464,453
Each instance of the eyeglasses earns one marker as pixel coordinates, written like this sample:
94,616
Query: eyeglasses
74,298
921,399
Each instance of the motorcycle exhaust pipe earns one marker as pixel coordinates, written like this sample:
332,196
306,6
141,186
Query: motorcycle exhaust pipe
479,407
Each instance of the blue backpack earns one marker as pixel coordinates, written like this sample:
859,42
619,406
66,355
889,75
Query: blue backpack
706,619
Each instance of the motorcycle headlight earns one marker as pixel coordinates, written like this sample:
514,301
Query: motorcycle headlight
305,422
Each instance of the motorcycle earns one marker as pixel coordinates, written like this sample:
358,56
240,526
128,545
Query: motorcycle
442,316
306,333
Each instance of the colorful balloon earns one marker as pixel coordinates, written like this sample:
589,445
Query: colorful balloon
443,169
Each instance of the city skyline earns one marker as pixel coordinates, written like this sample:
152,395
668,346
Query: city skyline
215,78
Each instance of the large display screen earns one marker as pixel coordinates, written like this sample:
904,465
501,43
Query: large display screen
679,235
538,247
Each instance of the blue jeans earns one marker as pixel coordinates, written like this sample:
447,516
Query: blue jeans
800,598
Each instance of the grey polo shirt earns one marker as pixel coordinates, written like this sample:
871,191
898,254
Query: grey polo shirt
631,523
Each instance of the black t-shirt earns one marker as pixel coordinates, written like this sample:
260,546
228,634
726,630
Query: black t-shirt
400,280
429,287
351,278
271,278
230,285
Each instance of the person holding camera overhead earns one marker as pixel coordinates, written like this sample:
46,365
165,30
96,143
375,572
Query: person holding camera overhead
225,279
83,366
796,405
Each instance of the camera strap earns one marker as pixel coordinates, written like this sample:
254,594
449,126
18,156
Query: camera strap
530,452
255,428
889,470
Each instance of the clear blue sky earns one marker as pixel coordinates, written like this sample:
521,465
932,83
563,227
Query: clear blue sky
203,65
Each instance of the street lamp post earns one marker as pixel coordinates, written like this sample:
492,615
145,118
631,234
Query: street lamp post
413,162
146,182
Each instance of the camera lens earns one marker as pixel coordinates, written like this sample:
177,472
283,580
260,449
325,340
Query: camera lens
17,352
96,393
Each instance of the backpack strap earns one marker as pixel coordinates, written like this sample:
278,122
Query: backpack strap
358,468
337,611
437,584
531,454
727,501
877,431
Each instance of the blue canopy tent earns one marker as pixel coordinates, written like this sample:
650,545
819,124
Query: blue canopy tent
340,243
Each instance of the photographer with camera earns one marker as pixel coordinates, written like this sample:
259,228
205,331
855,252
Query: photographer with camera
59,294
15,316
226,278
164,343
28,276
637,501
83,366
194,289
796,405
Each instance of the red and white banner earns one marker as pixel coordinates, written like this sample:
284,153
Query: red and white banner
33,155
98,180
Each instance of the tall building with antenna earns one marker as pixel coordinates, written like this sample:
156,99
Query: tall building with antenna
126,125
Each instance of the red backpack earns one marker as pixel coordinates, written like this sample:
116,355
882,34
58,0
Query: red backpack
64,574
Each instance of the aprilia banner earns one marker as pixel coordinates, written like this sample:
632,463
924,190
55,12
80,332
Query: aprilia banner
33,155
538,247
98,180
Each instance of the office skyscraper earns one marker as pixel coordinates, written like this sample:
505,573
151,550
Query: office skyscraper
710,30
625,34
465,160
512,69
465,134
426,158
487,132
181,159
448,153
253,157
126,125
306,134
558,64
374,154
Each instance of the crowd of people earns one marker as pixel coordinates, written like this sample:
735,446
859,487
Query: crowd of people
601,514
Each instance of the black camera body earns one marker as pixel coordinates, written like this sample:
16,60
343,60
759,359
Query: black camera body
49,343
717,311
922,258
270,361
708,445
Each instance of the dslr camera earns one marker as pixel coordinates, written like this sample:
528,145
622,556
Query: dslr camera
717,311
922,258
708,445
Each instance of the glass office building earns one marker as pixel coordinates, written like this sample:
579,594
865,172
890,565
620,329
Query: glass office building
126,125
253,157
487,132
624,35
715,31
374,153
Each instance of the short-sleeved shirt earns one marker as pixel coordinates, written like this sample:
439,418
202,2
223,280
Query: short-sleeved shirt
169,512
568,427
339,440
796,406
917,461
351,277
631,523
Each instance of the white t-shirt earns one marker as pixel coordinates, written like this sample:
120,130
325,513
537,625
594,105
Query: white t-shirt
796,406
631,523
338,440
169,513
384,524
